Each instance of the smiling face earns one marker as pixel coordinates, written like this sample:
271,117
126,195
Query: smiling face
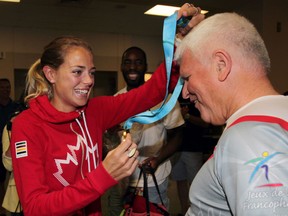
73,80
201,87
134,67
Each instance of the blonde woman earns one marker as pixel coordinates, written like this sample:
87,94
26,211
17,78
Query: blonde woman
57,142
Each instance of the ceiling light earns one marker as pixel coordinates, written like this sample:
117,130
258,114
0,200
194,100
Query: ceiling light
17,1
165,10
161,10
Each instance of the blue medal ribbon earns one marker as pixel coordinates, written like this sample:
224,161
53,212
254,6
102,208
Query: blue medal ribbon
148,117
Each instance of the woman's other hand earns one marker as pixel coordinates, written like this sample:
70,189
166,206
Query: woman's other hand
122,161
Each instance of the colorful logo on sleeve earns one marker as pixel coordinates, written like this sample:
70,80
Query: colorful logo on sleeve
21,149
262,166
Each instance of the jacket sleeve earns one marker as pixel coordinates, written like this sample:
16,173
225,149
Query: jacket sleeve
37,195
119,108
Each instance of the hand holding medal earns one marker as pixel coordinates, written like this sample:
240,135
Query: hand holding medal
130,151
122,161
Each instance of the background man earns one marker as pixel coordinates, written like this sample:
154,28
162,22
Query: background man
156,141
7,108
189,158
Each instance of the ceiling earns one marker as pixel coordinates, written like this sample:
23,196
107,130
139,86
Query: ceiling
109,16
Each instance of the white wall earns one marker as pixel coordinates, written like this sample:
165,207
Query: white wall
23,46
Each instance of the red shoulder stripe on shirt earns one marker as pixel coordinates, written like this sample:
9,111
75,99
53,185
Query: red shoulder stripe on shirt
269,119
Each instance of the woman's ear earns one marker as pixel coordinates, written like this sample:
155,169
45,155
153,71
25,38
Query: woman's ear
49,73
222,64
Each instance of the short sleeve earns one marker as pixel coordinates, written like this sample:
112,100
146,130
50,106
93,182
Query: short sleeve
251,165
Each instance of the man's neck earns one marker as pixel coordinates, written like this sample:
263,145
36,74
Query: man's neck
4,101
132,87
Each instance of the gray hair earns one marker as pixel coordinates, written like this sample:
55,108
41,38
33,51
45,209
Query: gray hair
230,32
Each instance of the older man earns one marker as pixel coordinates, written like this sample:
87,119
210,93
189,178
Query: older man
224,63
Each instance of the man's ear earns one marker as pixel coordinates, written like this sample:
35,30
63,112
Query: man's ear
222,64
49,73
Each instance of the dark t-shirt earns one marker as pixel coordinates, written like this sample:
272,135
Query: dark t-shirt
6,112
193,140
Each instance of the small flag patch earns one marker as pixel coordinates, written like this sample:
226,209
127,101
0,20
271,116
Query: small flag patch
21,149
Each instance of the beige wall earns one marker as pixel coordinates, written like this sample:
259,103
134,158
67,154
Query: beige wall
277,42
23,46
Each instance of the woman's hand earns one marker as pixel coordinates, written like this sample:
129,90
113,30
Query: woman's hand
122,161
188,10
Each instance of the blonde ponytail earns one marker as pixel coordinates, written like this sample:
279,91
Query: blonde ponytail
36,82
